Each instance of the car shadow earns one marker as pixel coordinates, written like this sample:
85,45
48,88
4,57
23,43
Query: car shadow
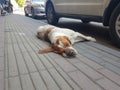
96,30
38,17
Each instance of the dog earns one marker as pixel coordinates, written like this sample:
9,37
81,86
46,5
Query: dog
61,40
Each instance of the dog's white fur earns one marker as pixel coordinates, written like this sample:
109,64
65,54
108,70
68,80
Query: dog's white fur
53,34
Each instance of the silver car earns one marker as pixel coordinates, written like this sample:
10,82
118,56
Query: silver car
105,11
34,8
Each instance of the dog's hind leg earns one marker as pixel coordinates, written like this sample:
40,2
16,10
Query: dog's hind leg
83,37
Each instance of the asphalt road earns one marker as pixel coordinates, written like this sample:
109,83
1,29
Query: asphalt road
96,30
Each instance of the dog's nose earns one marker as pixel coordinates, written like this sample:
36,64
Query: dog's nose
71,53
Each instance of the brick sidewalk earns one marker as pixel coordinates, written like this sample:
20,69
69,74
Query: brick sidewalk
95,68
2,20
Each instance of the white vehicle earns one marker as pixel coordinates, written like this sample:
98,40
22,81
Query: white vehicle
35,8
105,11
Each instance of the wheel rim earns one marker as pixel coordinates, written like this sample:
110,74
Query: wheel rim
117,27
50,14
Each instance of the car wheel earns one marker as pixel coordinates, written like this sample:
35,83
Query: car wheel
51,15
115,26
33,12
26,14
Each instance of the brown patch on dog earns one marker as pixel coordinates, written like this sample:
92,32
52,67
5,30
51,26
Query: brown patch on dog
46,34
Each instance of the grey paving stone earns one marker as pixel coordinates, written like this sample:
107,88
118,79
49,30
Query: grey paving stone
13,71
37,61
1,52
60,80
96,67
94,75
45,61
107,84
30,64
69,80
27,84
21,64
1,63
50,83
38,82
14,84
1,80
110,75
83,81
63,63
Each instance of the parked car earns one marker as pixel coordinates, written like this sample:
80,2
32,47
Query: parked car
34,7
1,9
105,11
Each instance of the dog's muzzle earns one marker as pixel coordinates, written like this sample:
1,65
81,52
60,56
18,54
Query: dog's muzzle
70,52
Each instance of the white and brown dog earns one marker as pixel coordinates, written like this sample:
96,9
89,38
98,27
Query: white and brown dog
61,40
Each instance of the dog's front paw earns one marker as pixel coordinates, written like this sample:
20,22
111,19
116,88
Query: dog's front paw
64,55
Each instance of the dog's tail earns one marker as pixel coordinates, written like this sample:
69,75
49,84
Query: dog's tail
50,49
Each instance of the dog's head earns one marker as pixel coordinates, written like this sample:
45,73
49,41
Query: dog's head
62,46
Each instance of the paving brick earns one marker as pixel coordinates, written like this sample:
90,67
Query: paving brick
50,83
107,84
29,62
59,80
68,79
6,84
111,75
38,82
45,61
1,52
21,64
1,63
83,81
88,71
90,63
13,71
63,63
14,84
112,67
27,83
1,80
37,61
105,49
16,48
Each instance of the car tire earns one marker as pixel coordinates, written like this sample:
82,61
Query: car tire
115,26
33,12
51,15
26,14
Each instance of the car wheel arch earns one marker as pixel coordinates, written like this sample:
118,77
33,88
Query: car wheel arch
49,2
108,12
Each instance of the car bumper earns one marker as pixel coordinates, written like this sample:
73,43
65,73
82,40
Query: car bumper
40,12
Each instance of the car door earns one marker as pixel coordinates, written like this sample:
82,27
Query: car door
82,7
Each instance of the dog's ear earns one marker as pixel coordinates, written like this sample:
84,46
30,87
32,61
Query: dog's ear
50,49
67,39
57,49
